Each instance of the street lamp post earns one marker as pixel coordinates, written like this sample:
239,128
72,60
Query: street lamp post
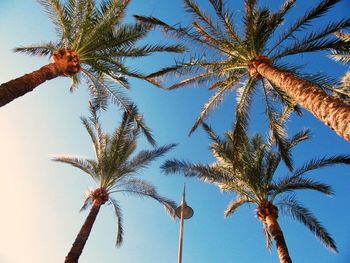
183,212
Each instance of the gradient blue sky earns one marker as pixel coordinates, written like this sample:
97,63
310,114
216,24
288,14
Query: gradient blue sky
41,199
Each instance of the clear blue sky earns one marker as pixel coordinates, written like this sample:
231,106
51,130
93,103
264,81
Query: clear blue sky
41,199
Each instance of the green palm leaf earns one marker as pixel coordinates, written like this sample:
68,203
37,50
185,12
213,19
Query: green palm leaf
291,207
116,165
248,168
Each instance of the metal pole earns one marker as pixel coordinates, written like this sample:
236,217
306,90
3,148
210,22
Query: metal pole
183,212
181,230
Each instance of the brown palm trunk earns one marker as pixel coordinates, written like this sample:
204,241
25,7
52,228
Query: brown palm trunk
268,214
20,86
79,243
332,111
278,236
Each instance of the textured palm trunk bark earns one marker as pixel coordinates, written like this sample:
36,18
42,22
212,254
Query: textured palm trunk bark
278,236
22,85
80,241
332,111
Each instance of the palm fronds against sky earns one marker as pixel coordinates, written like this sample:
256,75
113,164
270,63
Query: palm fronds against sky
227,46
114,170
250,171
98,34
93,43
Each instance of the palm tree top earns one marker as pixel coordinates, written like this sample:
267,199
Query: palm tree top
98,37
116,164
93,45
229,55
250,171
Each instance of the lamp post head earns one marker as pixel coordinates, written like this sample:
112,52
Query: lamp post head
187,210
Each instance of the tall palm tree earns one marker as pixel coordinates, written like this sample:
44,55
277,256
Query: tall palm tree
343,56
92,45
114,171
249,55
249,171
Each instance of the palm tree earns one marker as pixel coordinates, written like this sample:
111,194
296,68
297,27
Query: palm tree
249,171
343,56
244,58
114,171
92,45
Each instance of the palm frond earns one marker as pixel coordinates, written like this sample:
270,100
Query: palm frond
317,45
305,20
213,103
203,172
112,13
290,184
78,162
119,216
205,19
299,137
268,236
142,188
250,7
90,129
343,36
58,15
321,80
234,204
87,203
213,136
275,93
346,81
183,33
123,102
244,100
43,49
144,158
321,163
149,49
290,206
278,131
341,56
226,17
317,40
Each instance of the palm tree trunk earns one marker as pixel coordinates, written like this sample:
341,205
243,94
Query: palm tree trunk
278,236
82,237
332,111
20,86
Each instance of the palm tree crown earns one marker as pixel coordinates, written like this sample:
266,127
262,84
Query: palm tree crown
249,171
99,40
230,57
116,165
93,43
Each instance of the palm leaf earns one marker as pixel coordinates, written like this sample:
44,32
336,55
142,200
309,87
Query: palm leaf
268,236
321,163
316,12
87,203
291,207
290,184
43,49
234,204
58,15
144,158
142,188
118,213
78,162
